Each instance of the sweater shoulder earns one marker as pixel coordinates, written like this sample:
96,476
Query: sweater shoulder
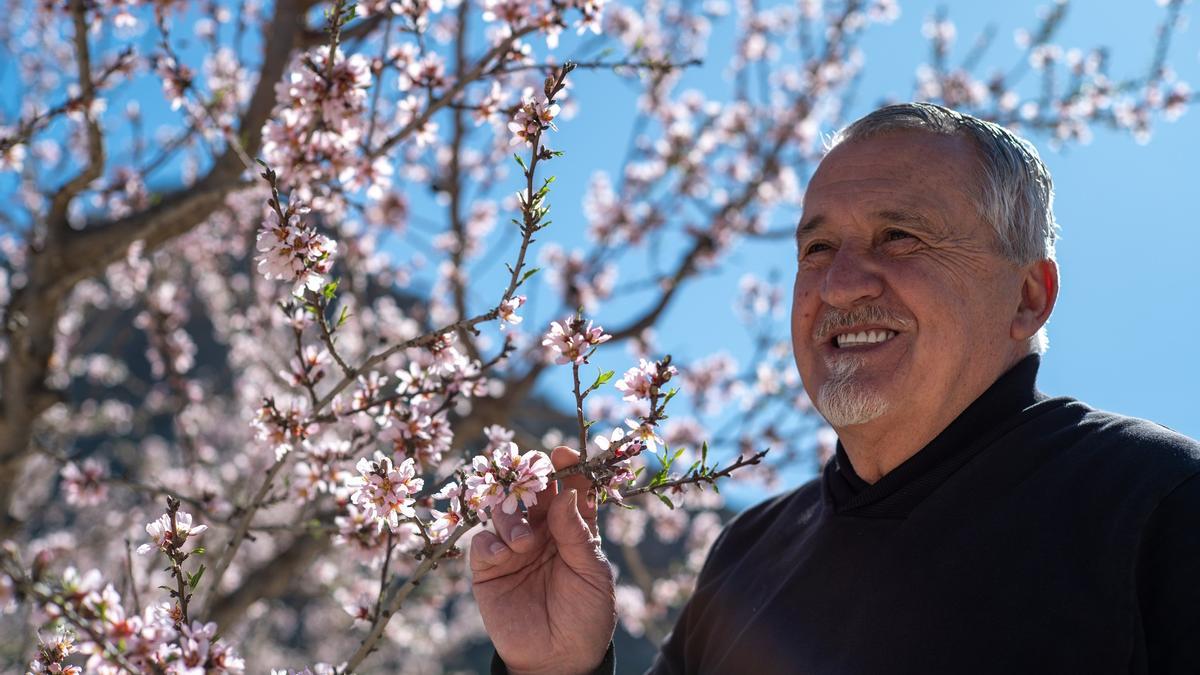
1107,453
1132,439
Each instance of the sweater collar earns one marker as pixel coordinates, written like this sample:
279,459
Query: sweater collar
897,492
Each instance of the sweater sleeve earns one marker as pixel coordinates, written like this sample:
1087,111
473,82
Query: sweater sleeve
1168,594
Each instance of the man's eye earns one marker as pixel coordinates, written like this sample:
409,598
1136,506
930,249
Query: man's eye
815,247
893,235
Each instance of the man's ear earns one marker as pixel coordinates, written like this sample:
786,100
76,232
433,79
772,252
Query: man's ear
1039,292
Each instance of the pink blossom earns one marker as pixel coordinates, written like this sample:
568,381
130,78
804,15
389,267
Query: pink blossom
177,79
85,486
512,12
572,340
489,106
385,491
645,434
164,538
444,522
294,253
508,310
642,380
53,654
508,478
531,118
200,650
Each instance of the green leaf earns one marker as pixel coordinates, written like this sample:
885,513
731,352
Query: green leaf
528,274
194,579
343,316
666,500
520,162
704,454
330,289
199,550
602,378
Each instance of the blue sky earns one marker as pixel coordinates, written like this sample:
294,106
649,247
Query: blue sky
1123,334
1122,337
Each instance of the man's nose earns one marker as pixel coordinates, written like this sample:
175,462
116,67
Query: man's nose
852,277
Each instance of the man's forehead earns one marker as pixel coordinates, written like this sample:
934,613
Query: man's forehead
812,225
917,178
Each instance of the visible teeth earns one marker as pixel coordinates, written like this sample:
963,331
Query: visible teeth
866,337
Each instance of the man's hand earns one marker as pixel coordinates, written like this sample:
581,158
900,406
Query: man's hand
543,585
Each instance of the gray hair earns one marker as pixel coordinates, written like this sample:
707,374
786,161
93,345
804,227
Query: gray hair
1016,193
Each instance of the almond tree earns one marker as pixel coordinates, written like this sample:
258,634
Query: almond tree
270,352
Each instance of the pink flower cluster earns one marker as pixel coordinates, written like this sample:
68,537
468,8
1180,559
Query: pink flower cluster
506,478
150,642
418,432
547,16
290,251
385,491
571,341
52,656
534,115
282,431
176,80
622,452
319,118
85,486
165,538
642,380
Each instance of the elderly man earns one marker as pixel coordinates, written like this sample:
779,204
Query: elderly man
968,523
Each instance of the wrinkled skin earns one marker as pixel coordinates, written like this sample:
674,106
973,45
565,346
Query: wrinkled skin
547,596
890,221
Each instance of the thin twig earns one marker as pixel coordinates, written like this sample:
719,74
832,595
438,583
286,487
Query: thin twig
398,592
698,478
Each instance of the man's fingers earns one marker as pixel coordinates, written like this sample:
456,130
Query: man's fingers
537,512
563,457
487,551
514,529
574,539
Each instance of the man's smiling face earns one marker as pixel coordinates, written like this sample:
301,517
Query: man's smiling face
903,306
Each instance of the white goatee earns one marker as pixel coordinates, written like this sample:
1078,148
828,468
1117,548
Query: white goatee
844,401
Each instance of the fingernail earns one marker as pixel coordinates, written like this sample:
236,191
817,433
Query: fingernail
591,499
520,532
497,547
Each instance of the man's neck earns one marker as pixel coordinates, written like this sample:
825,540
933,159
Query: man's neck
879,446
875,449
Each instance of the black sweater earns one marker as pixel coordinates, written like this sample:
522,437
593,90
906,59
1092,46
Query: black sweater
1033,535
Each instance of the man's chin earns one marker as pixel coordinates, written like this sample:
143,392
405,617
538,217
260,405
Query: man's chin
846,404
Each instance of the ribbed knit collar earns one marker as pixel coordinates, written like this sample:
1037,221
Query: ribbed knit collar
894,495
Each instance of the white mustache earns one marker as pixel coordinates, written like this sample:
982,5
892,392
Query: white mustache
835,319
